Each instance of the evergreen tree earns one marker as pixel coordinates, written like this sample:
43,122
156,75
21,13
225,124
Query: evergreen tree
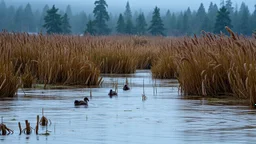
157,26
120,28
244,20
69,11
129,27
167,22
222,20
201,18
18,19
236,20
229,7
53,21
41,22
10,18
173,24
186,22
179,24
128,12
3,15
71,17
90,28
253,19
212,13
141,25
65,26
28,19
101,17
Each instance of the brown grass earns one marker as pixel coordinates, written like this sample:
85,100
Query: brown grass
209,65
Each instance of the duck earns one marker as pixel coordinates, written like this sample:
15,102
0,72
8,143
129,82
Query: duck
81,102
112,93
125,88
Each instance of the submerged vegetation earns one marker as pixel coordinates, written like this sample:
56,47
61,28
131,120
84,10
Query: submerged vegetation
209,65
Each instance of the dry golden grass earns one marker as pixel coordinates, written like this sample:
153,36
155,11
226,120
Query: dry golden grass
9,81
209,65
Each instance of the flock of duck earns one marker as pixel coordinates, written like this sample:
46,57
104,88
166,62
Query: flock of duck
111,93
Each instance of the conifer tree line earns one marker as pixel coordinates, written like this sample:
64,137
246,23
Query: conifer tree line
50,19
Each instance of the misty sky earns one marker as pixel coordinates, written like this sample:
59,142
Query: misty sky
119,5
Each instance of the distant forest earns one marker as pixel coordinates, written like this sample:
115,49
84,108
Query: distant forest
242,21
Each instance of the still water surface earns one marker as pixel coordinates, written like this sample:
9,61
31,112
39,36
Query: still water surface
163,118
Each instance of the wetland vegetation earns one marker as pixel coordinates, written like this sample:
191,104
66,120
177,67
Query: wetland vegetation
209,65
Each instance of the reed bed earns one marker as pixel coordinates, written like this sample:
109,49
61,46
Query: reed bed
9,81
69,60
209,65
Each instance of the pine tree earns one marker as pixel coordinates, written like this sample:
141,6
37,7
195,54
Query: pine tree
201,18
90,28
244,20
3,15
53,21
253,19
120,28
128,12
229,7
185,24
28,19
41,21
212,13
173,24
18,19
129,27
65,26
101,17
141,25
10,19
222,20
167,22
71,18
69,11
179,24
157,26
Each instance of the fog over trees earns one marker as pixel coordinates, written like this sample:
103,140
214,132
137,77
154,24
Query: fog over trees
26,17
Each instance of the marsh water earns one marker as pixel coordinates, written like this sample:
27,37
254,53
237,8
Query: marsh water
164,118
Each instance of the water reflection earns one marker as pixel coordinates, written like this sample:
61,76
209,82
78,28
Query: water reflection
165,117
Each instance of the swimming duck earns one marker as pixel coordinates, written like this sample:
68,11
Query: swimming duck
125,88
112,93
80,102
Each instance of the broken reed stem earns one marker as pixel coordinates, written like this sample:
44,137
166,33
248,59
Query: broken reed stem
90,93
20,128
37,124
143,88
4,132
28,129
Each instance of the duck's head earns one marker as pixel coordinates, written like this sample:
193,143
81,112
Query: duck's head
111,91
86,99
76,102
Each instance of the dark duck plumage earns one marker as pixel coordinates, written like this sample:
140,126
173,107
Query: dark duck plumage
112,93
125,88
81,102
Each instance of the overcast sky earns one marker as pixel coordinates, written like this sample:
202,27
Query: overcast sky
119,5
